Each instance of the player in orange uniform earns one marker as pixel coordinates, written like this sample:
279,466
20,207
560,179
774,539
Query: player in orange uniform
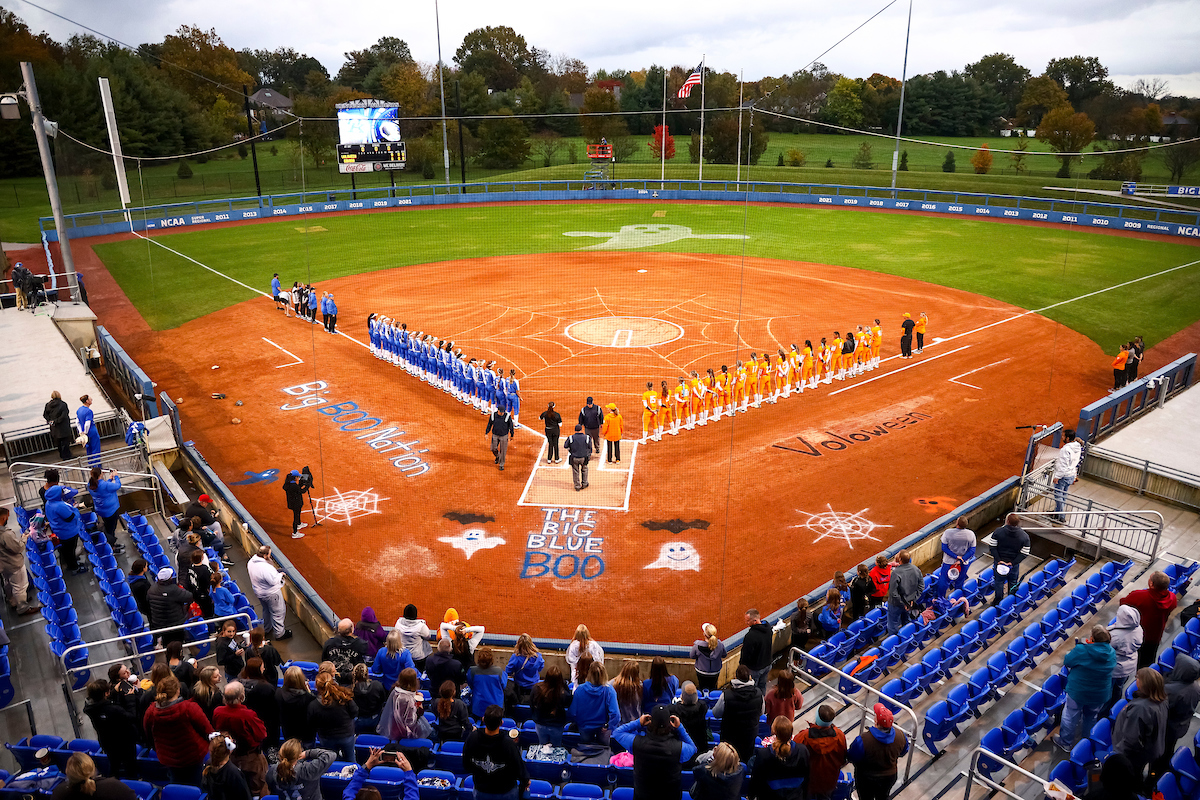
680,398
861,348
666,411
876,344
710,395
766,378
795,365
752,380
922,322
722,387
783,376
836,368
808,372
650,408
696,393
825,357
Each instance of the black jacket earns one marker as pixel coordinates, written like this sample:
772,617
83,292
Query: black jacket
293,714
226,652
552,420
694,719
345,652
115,726
1183,695
756,647
58,415
780,779
370,696
456,725
168,604
1010,539
295,497
740,714
333,721
591,416
578,445
500,424
197,510
441,667
139,586
260,698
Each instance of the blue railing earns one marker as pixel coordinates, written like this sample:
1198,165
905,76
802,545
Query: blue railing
1109,413
1087,213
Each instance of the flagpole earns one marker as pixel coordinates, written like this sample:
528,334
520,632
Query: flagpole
702,57
900,113
741,92
662,145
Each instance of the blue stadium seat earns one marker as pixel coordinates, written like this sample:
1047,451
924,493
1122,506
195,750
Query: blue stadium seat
24,749
528,734
580,791
150,768
1024,599
889,651
1171,787
866,668
539,790
143,789
937,725
1054,692
910,683
1035,640
895,688
989,624
390,781
1018,657
1070,613
1071,775
1015,734
973,591
1117,707
959,705
1184,763
994,741
972,634
363,743
1166,662
1036,716
954,652
1101,736
1037,587
1009,612
1053,627
332,783
1097,587
1084,598
174,791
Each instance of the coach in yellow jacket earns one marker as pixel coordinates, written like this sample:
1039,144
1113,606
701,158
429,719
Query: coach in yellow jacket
612,430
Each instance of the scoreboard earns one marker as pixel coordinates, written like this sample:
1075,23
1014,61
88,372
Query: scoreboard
371,157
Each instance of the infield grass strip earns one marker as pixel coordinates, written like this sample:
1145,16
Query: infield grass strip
1028,266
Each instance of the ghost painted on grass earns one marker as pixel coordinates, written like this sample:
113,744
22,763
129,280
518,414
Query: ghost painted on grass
676,556
472,541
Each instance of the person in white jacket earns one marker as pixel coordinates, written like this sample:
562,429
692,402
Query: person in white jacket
582,643
1126,633
267,583
415,636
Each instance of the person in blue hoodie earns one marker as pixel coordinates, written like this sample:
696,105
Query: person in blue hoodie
1090,667
487,682
104,498
87,427
876,756
660,688
830,617
312,304
331,309
392,659
594,709
408,780
524,668
66,524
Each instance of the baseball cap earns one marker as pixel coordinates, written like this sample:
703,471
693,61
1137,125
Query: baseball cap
166,573
295,473
660,715
589,399
578,427
612,406
205,498
883,717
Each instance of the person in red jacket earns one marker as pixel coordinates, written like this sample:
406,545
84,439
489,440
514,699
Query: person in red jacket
1155,604
177,731
880,574
826,753
247,732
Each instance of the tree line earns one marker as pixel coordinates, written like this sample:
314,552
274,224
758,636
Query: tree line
183,94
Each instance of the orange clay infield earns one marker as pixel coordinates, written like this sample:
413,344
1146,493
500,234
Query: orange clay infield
748,512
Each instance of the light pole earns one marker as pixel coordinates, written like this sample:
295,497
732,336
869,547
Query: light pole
442,85
10,110
900,115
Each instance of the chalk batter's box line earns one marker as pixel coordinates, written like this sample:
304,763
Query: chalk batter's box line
633,443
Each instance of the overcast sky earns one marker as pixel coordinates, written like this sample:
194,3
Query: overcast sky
1133,38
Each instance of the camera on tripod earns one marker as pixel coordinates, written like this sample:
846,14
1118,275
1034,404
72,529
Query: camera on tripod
305,481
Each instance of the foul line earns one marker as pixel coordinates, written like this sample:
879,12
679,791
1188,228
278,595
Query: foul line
298,360
955,379
200,264
898,371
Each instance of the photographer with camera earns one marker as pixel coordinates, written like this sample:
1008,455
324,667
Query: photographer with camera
295,486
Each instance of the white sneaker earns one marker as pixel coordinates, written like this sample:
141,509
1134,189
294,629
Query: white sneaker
302,525
297,535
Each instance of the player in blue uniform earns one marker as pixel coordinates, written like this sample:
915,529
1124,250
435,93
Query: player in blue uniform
489,388
373,335
401,335
514,396
414,353
469,374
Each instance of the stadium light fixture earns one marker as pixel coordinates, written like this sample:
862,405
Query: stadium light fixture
9,108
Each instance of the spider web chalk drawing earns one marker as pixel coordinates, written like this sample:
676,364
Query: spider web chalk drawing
346,506
843,525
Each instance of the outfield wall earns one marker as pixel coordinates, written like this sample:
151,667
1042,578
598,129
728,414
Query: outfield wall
1099,216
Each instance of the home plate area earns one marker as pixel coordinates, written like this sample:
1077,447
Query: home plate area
609,485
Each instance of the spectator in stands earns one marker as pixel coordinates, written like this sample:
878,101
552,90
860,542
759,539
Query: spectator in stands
84,783
13,569
830,618
800,626
294,698
248,733
494,761
1089,666
780,769
881,576
709,654
107,503
370,632
64,521
261,648
628,686
260,698
177,731
523,669
594,709
52,478
183,553
207,691
369,696
223,603
168,605
783,699
1117,781
861,587
660,747
876,756
550,702
842,586
905,585
660,688
267,582
356,791
1140,730
198,581
739,707
1155,604
693,715
147,698
720,776
139,585
415,636
463,638
443,666
581,643
958,551
182,667
582,668
827,749
209,530
453,721
222,779
1126,633
1183,695
115,727
123,689
345,650
1009,548
58,416
332,716
229,652
297,774
487,682
1066,466
757,650
403,716
392,658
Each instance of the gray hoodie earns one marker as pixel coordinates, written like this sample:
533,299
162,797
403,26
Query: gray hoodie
1140,730
1183,695
414,635
1126,634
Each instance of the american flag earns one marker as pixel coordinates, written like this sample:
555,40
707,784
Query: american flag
692,80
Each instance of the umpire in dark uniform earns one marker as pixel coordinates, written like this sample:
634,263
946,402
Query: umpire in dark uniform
906,336
500,426
591,417
579,450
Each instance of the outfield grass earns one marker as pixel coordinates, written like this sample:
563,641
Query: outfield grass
1027,266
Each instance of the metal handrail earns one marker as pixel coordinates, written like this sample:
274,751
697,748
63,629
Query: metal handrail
973,775
93,665
913,737
1099,532
67,467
